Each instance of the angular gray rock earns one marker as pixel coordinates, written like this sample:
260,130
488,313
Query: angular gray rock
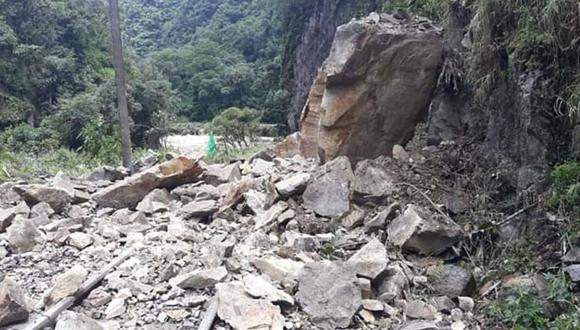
23,235
219,174
372,180
328,192
6,217
574,272
79,240
73,321
371,260
33,194
13,307
268,217
129,192
200,279
452,281
293,185
245,313
41,209
417,309
67,284
155,201
278,269
391,283
108,173
419,230
329,293
200,209
258,287
419,325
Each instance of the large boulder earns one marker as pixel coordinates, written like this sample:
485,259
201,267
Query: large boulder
374,87
12,303
72,321
419,230
132,190
329,293
33,194
328,192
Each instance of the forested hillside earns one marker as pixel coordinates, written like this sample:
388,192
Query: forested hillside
217,54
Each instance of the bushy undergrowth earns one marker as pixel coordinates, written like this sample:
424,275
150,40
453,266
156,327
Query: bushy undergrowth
28,165
527,311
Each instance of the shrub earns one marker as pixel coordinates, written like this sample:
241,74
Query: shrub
236,126
101,141
25,138
567,185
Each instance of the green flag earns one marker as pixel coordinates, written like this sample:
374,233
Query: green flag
211,145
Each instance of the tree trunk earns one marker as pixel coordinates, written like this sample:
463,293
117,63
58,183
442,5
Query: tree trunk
121,80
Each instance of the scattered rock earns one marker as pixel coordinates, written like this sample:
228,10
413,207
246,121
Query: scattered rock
57,198
328,292
115,308
67,284
380,221
268,217
200,209
258,287
391,283
353,219
155,201
80,240
400,154
574,272
72,321
328,192
572,257
443,304
23,235
132,190
373,180
278,269
293,185
98,298
13,307
42,209
371,260
373,305
108,173
421,231
219,174
417,309
245,313
419,325
466,303
452,281
6,217
200,279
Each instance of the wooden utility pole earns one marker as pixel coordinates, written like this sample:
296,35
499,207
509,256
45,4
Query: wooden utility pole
121,81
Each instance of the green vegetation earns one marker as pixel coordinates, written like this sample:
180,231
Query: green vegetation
237,127
524,310
433,9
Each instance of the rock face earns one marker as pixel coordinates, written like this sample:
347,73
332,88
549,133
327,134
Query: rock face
329,294
418,230
132,190
317,21
12,303
373,89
